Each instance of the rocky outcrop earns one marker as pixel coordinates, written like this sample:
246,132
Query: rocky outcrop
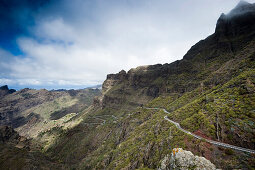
240,21
112,80
182,159
233,32
235,29
9,136
4,90
129,86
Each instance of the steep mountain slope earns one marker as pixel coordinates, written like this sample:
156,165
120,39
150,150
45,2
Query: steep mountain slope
39,113
232,34
28,105
39,116
209,92
15,153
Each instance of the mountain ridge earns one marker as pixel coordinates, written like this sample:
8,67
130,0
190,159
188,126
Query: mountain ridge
209,92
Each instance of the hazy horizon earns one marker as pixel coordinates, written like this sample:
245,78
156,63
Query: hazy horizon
20,87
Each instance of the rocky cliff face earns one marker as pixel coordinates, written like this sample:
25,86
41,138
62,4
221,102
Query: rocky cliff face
239,21
134,87
233,32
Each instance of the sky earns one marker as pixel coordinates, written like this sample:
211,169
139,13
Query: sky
57,44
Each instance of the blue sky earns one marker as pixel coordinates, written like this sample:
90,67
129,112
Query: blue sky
75,44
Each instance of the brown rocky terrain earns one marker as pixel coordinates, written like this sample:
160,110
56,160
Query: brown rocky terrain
27,110
15,152
9,136
37,112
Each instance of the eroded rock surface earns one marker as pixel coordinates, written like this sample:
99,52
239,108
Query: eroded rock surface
182,159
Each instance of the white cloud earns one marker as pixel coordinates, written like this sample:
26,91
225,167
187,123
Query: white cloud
55,29
6,81
81,44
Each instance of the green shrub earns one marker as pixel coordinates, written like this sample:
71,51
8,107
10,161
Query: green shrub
229,151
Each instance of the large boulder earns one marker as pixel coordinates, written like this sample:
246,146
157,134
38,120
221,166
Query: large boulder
181,159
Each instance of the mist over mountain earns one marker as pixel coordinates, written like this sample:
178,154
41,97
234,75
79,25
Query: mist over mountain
241,8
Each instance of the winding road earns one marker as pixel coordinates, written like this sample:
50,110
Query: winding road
100,118
199,137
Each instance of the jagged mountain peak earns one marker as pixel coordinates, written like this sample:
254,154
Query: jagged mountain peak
233,31
241,8
242,3
4,90
239,21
